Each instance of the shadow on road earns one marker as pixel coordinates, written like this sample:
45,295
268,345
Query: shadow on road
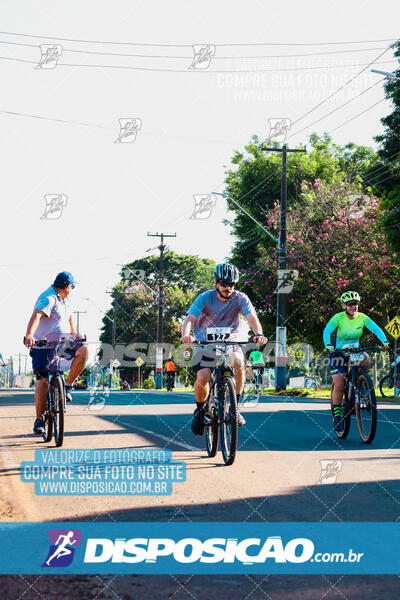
283,430
364,501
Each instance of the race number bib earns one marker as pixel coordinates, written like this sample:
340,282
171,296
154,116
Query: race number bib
357,358
350,346
218,334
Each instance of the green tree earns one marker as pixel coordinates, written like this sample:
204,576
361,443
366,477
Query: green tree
384,177
185,276
335,242
255,182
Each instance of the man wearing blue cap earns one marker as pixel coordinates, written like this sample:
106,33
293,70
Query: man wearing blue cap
52,319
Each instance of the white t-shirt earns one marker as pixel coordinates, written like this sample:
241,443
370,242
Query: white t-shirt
58,312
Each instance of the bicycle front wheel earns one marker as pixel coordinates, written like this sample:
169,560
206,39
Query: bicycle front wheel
57,392
228,413
211,431
366,413
385,384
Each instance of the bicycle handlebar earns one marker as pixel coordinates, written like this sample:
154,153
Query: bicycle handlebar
360,349
47,343
225,343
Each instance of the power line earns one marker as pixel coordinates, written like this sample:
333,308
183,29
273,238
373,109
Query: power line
338,108
358,115
342,86
96,52
62,39
166,70
64,121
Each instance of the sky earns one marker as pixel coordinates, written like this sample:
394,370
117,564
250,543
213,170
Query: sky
139,62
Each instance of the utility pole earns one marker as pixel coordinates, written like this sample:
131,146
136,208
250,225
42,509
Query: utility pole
113,334
159,349
77,313
281,302
113,339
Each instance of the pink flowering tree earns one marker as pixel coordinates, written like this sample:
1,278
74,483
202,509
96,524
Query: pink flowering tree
335,242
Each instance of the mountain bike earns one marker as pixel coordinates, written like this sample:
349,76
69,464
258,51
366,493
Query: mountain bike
221,409
170,381
55,403
387,382
258,380
358,395
56,398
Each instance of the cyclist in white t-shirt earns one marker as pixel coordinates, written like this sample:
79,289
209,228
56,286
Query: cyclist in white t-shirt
52,319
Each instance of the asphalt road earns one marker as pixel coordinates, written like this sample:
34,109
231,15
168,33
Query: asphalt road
276,477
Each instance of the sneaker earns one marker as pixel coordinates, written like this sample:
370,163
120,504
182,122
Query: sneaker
68,395
38,427
338,423
198,422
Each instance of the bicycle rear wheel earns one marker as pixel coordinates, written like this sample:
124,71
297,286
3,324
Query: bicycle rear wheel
228,412
212,431
386,382
366,413
259,383
57,392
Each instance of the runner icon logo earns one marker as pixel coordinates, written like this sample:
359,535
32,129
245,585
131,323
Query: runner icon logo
62,547
329,470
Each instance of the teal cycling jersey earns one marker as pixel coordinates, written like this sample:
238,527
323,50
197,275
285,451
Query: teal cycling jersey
348,331
257,358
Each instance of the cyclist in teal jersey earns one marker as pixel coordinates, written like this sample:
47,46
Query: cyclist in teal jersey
346,328
257,362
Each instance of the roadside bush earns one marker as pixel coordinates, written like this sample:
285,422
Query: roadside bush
149,384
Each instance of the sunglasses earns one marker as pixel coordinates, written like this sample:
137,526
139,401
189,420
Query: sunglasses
226,284
352,303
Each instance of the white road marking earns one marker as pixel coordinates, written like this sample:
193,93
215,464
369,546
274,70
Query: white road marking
162,437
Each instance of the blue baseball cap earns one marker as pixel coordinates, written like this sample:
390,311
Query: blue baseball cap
63,279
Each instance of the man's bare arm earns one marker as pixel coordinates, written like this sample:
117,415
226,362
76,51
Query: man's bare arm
255,324
187,325
32,326
71,324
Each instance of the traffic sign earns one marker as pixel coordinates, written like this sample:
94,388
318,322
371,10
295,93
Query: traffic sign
139,361
393,327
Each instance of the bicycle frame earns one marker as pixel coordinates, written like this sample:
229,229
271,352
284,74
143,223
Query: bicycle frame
354,371
220,370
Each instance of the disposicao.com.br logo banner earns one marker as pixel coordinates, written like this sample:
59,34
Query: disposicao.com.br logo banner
215,548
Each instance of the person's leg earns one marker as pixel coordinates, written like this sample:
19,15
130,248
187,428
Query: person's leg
239,377
201,390
236,358
235,361
78,364
338,383
202,387
337,389
41,391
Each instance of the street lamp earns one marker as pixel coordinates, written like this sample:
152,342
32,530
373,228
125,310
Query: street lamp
388,75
